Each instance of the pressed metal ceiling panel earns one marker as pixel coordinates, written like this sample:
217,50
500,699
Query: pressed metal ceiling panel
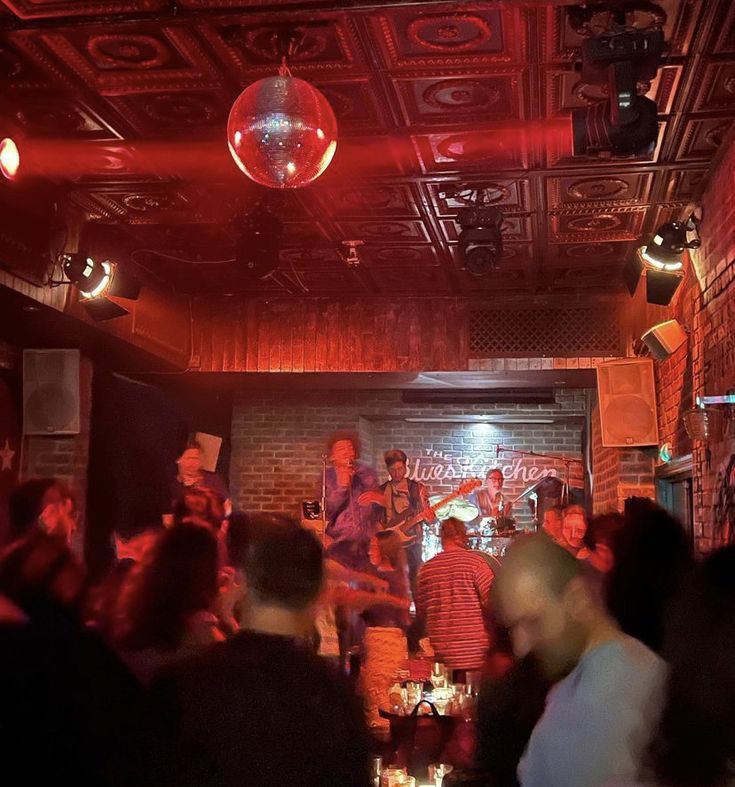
434,102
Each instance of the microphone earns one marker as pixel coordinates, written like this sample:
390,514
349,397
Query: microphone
497,450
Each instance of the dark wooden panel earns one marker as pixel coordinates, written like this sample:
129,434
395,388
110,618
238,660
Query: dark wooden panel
317,335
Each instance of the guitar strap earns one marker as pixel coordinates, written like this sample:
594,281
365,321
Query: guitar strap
414,502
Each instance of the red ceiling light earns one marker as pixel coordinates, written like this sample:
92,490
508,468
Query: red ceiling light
9,158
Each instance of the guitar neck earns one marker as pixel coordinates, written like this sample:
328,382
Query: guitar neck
420,516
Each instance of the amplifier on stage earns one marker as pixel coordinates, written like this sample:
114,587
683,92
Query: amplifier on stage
311,517
311,509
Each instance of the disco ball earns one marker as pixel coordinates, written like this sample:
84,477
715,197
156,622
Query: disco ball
282,132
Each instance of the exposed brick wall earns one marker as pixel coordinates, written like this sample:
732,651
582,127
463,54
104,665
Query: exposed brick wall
713,346
636,474
278,439
706,364
65,456
618,473
605,469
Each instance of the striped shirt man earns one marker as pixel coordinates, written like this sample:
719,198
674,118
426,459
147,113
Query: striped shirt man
452,594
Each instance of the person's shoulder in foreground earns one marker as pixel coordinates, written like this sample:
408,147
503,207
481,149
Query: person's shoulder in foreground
259,709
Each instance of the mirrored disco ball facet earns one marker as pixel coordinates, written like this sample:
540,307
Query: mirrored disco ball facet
282,132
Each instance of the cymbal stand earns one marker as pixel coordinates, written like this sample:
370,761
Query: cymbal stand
565,460
323,501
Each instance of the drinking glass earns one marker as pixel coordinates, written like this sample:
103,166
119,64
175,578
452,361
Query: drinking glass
376,769
437,773
389,776
438,675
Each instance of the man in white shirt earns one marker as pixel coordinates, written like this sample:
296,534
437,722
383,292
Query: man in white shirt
599,718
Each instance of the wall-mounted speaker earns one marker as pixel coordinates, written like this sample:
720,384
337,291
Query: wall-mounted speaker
627,395
664,339
50,392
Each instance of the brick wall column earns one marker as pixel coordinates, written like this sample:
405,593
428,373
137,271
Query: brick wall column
618,473
705,306
65,456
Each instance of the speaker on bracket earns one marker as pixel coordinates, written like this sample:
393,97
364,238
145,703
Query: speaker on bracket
627,396
664,339
50,392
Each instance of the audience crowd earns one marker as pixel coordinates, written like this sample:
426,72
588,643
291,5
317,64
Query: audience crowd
223,649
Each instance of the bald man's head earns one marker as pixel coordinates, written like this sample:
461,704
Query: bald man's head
544,599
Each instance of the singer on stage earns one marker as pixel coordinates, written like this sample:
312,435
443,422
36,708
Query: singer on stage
353,502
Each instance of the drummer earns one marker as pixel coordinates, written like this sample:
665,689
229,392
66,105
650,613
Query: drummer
459,508
490,499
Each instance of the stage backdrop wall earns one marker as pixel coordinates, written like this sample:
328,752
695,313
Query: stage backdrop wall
278,440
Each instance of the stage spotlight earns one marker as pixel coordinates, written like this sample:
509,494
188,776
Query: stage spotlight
90,277
95,281
661,260
665,249
9,158
480,241
626,123
593,131
660,284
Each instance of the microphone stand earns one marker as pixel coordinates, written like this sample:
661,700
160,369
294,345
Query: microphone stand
323,501
564,459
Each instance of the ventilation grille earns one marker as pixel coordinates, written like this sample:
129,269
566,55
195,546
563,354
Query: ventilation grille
544,332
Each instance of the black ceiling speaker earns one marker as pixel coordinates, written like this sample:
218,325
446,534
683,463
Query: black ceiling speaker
258,246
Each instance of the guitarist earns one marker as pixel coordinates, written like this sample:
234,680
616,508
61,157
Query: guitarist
404,499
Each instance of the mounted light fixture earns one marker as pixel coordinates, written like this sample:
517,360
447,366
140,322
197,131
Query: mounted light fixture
90,277
626,123
481,239
9,158
95,280
661,260
352,258
665,249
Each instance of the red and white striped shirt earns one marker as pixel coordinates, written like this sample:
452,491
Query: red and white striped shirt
453,590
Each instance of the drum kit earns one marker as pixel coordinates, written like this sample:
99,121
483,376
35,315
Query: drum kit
490,535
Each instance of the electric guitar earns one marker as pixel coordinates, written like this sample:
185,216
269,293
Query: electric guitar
403,529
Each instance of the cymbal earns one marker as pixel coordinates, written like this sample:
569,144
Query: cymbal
458,508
